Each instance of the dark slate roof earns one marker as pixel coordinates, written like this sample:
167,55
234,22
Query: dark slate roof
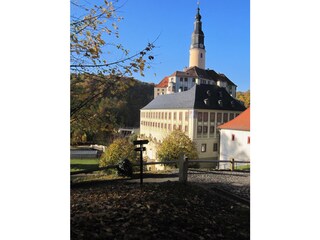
198,97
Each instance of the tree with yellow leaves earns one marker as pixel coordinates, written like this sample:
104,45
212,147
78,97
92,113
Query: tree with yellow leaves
175,145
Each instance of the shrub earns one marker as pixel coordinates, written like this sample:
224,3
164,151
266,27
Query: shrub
118,150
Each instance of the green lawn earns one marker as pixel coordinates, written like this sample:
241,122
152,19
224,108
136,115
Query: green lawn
243,167
83,164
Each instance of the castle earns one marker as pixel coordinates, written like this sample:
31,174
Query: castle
195,101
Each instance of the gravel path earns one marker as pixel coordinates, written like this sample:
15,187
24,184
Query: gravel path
235,182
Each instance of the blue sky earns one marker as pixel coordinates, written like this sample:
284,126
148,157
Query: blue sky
226,25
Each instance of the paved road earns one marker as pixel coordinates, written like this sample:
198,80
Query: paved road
234,182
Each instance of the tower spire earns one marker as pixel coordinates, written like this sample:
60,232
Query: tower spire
197,48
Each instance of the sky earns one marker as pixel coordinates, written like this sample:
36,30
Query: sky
226,26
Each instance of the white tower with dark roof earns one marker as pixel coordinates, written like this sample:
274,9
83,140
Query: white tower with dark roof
197,48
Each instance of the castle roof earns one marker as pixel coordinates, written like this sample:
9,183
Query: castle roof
198,97
241,122
163,83
196,72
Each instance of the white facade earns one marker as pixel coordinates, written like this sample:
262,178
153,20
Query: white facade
160,91
197,57
182,82
234,144
199,125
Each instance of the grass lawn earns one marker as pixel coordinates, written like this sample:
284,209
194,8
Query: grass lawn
244,167
83,164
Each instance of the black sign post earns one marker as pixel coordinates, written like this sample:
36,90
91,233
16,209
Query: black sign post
140,149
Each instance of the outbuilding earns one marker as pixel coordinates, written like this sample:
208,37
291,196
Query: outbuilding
235,140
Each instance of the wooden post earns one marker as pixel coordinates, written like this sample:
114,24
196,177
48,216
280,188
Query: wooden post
140,149
232,164
141,164
183,169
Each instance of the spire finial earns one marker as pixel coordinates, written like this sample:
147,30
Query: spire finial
198,17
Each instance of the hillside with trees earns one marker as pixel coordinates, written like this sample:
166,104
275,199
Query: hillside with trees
244,97
118,106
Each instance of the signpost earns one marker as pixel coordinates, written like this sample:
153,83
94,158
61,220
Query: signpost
140,149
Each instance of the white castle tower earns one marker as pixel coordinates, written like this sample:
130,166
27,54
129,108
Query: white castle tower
197,49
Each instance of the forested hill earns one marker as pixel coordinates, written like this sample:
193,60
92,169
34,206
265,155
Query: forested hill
100,105
244,97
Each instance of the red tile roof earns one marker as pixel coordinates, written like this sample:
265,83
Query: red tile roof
163,83
241,122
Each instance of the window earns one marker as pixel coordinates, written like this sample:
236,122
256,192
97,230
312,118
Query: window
225,117
186,116
185,89
199,116
211,129
181,79
203,147
219,115
231,116
215,147
193,80
169,115
186,79
232,137
205,117
180,116
212,117
199,129
174,116
205,129
200,55
248,140
165,115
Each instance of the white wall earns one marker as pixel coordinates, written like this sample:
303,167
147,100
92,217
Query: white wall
239,149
